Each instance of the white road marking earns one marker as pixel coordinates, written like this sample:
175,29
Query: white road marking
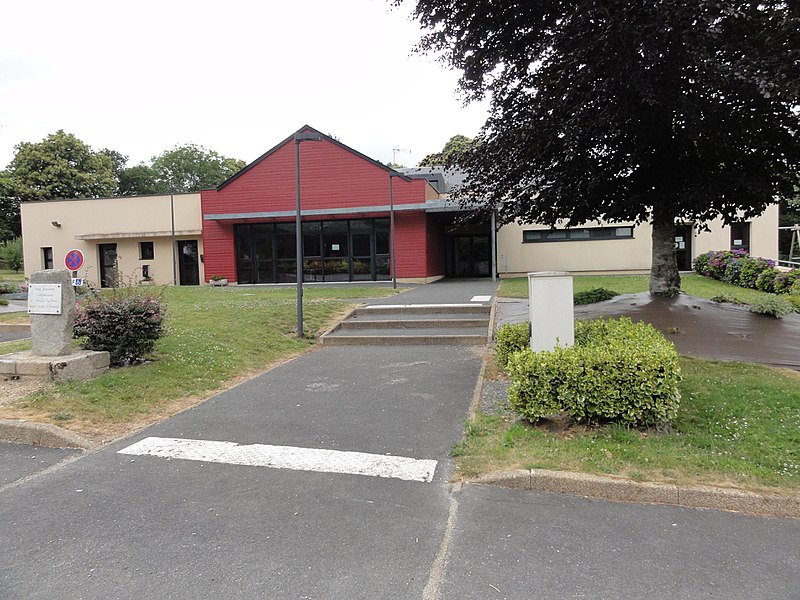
287,457
481,299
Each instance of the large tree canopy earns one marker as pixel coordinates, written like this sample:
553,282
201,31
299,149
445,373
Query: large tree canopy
627,110
191,168
60,166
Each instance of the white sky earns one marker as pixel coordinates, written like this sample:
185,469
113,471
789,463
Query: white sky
235,76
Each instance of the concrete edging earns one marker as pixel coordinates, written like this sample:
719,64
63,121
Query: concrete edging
41,434
622,490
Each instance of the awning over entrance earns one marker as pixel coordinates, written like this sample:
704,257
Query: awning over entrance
439,205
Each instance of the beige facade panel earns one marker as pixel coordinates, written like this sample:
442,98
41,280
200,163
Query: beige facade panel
138,228
624,254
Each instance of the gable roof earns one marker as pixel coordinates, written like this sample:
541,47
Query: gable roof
309,129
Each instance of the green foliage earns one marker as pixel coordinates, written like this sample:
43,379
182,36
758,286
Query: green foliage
126,323
738,268
3,302
593,295
775,306
591,105
11,254
60,166
511,338
454,146
140,180
191,168
617,371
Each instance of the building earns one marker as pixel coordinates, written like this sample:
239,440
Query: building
244,230
127,240
347,200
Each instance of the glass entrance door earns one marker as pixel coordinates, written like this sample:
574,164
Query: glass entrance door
108,265
188,263
470,256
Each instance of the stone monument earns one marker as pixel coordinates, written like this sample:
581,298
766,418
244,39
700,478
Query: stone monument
51,304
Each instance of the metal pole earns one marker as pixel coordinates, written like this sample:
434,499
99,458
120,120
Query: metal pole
391,232
299,241
174,242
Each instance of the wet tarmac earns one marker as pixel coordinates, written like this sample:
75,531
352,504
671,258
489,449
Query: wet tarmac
701,328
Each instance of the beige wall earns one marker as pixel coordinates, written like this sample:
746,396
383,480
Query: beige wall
623,255
84,224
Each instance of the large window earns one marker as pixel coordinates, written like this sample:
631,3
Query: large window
581,234
342,250
740,236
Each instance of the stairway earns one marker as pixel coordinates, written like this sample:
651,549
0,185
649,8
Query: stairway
405,324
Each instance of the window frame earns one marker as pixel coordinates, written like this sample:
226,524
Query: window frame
566,234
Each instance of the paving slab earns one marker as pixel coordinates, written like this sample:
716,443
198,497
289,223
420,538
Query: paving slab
510,544
445,291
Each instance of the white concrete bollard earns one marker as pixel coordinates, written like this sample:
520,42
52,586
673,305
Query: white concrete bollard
551,310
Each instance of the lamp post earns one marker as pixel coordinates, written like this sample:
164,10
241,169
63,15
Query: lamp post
391,231
298,138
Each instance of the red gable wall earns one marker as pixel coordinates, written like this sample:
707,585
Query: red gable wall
331,177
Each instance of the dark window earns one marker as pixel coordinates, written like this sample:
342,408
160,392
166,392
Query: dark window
47,258
146,251
577,234
740,236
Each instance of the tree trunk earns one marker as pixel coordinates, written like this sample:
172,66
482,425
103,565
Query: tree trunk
664,277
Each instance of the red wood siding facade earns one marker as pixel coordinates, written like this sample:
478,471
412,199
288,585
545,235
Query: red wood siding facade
332,177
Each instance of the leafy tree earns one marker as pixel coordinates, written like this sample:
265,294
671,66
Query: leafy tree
627,110
9,210
454,146
140,180
11,253
191,168
60,166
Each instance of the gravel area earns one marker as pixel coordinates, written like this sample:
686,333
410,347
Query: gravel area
494,397
12,390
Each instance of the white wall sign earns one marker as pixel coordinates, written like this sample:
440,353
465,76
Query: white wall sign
44,298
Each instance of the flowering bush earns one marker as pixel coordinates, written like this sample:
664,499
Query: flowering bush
738,268
125,323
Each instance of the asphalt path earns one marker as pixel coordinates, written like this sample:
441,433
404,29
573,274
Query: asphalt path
118,526
21,460
112,525
522,544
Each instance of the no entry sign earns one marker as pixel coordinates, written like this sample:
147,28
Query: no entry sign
73,260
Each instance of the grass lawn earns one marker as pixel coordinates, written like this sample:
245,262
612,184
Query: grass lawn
695,285
9,275
738,425
214,336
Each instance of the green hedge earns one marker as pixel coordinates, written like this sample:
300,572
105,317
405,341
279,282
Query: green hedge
617,371
511,338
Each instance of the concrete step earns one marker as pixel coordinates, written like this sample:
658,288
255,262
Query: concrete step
395,324
404,340
428,309
428,323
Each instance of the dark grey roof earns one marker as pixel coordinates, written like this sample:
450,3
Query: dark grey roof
444,180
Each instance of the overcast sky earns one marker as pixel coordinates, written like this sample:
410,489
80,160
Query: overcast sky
236,76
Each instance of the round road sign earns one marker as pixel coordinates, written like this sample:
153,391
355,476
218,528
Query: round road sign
73,260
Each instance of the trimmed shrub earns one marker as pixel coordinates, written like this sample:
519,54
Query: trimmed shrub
594,295
126,323
774,306
617,371
746,271
511,338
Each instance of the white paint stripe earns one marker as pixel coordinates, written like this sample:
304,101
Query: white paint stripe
481,298
287,457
